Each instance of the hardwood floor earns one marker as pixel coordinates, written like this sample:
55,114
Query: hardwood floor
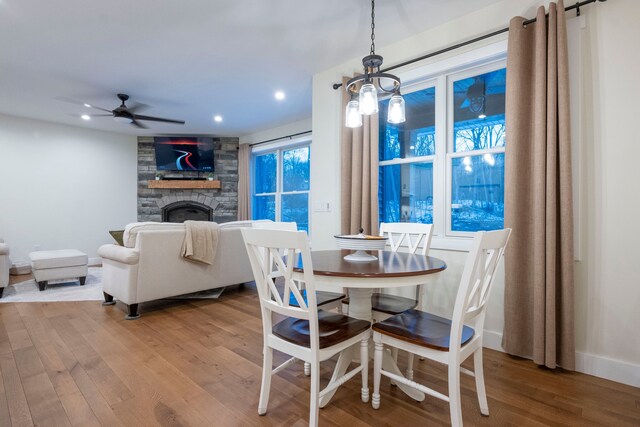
199,364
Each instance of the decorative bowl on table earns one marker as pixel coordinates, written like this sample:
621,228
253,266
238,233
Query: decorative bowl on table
361,243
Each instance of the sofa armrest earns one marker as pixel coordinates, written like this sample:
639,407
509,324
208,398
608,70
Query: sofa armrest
4,249
119,254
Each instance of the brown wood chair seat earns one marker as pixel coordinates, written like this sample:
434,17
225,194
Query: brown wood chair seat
322,298
333,328
389,304
421,328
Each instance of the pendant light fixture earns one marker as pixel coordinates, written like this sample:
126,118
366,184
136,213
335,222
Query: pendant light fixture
365,100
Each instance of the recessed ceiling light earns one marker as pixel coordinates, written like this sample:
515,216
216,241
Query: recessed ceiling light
85,117
217,118
279,95
87,105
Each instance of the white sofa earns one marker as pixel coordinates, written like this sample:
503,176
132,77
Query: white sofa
149,266
5,265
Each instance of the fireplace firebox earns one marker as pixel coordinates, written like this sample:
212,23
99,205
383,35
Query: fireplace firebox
185,211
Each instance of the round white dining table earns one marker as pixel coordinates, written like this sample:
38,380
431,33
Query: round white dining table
389,270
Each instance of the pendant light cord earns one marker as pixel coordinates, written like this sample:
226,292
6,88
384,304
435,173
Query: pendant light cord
373,27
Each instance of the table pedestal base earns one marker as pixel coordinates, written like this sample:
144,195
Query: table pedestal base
360,308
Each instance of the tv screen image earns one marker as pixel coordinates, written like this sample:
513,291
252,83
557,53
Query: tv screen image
175,153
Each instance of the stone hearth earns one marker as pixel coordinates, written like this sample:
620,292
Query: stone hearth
222,203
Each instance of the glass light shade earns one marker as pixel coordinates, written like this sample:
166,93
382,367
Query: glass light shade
395,113
368,99
353,119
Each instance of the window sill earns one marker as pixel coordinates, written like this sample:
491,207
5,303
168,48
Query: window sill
459,244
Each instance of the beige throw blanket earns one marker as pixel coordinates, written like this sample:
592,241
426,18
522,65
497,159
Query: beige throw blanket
200,241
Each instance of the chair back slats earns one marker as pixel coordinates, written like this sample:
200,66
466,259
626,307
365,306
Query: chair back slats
415,236
477,279
274,254
291,311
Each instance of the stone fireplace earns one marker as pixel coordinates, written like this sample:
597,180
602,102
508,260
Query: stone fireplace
180,204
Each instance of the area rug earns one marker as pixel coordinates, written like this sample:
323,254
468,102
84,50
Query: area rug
70,290
61,290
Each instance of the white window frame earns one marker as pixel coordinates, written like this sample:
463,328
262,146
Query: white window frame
431,83
279,148
443,72
450,152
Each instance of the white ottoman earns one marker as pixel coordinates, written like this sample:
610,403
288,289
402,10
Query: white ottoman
56,265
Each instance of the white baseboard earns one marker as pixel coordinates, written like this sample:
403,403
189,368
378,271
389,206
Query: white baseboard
611,369
492,340
95,262
590,364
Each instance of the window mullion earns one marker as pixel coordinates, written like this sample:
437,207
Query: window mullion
439,213
279,185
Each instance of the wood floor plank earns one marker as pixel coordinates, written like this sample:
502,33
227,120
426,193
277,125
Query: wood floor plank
110,386
17,409
19,412
5,417
44,404
168,403
91,393
199,363
75,405
183,385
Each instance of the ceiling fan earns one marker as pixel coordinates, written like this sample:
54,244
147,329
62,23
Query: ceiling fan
126,114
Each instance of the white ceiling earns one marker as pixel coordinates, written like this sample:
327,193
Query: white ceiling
191,59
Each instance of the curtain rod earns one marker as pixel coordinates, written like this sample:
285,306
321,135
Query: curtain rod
576,6
282,137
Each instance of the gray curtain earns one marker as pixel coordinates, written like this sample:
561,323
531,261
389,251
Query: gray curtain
244,187
359,174
539,293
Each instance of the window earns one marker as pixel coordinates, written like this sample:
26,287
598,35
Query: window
407,153
445,164
281,185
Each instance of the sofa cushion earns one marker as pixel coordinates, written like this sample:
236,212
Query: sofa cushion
242,224
118,236
41,260
131,230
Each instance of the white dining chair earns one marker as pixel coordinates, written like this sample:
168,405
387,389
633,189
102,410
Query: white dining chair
306,333
446,341
416,238
325,300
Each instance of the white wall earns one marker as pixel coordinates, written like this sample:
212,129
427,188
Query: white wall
63,187
607,277
278,132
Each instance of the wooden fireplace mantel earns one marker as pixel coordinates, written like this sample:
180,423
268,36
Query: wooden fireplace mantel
179,183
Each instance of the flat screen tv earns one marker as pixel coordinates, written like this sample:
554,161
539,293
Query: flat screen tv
177,153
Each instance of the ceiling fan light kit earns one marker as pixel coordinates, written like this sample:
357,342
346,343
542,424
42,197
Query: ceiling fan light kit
364,101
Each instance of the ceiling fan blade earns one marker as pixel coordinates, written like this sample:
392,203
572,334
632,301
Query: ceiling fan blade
76,102
138,124
97,108
157,119
100,115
